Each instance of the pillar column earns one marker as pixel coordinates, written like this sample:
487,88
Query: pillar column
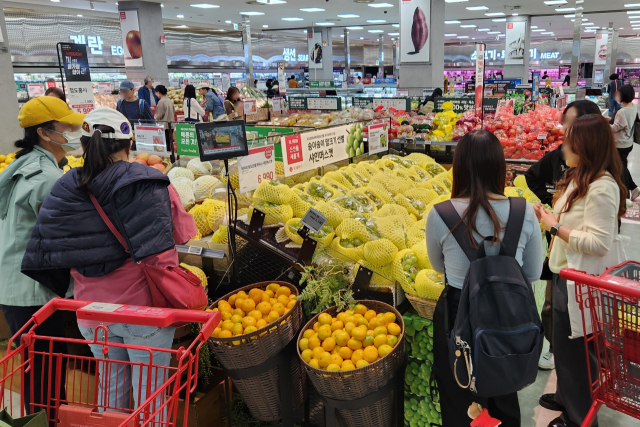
154,54
248,50
380,57
395,57
417,76
575,51
11,130
347,56
519,71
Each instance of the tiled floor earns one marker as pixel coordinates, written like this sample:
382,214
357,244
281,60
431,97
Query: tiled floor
532,414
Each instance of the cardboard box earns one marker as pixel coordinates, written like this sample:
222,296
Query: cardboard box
204,409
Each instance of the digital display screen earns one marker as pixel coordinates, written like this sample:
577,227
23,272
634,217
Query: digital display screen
221,140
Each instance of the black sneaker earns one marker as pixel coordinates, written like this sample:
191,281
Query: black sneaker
558,422
548,401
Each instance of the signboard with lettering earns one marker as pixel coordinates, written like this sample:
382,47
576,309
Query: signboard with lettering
151,139
257,166
309,103
386,103
464,103
35,89
310,150
77,76
186,140
315,84
535,85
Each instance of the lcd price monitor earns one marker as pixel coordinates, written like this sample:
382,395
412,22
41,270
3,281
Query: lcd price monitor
221,140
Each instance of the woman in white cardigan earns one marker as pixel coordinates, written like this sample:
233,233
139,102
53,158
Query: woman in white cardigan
587,206
193,112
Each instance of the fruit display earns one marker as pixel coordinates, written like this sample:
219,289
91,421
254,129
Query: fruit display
198,272
177,97
352,339
149,160
5,160
251,93
421,399
313,119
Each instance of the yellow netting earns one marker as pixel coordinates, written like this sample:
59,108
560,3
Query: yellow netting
402,161
350,253
198,272
405,175
445,197
301,202
353,204
320,191
301,186
393,184
433,168
291,228
425,214
425,195
436,186
383,276
203,185
367,169
429,285
361,196
405,270
274,214
366,221
380,252
353,230
334,212
418,170
243,211
391,228
378,195
340,179
221,235
412,206
386,165
273,192
420,249
445,179
521,182
279,169
391,210
415,235
351,176
338,189
421,158
217,212
200,217
233,176
198,236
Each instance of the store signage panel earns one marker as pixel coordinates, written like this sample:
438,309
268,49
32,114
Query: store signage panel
398,104
515,37
314,46
77,76
104,88
305,103
311,150
257,166
378,138
151,139
415,29
95,44
479,89
601,49
35,90
534,54
186,140
315,84
535,85
289,55
131,38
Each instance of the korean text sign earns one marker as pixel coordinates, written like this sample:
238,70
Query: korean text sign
256,167
310,150
78,77
186,140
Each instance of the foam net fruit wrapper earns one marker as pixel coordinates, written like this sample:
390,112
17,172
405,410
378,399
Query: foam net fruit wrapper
386,165
445,179
198,272
391,183
216,212
377,194
392,210
361,196
273,192
429,285
420,172
425,195
421,158
420,249
391,228
382,277
338,189
348,254
406,174
435,185
221,235
300,203
415,235
380,252
337,176
320,191
405,162
366,169
366,221
405,270
414,207
274,214
334,212
433,168
353,178
353,204
200,217
291,228
352,229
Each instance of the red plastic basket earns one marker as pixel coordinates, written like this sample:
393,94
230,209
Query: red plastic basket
83,404
613,301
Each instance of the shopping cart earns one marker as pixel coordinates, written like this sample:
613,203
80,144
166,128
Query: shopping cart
86,400
613,302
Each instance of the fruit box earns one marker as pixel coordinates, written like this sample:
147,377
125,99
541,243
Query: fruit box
205,409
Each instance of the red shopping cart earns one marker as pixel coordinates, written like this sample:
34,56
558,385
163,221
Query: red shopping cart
613,302
87,399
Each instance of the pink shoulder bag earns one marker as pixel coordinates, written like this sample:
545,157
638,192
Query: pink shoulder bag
172,287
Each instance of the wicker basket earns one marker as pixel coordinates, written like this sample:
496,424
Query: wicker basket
357,383
424,307
262,393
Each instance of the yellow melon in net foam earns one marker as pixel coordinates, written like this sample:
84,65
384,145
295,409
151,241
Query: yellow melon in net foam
274,214
334,212
420,249
273,192
199,214
405,270
346,249
428,284
351,229
391,228
380,252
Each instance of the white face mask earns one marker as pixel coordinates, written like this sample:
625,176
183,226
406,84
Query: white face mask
73,140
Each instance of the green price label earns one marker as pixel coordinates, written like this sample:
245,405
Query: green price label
186,142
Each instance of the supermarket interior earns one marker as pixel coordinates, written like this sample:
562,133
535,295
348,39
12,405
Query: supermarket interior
307,142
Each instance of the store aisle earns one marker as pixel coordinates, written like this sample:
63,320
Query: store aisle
533,415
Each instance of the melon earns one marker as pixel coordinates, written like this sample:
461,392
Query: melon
197,167
180,172
202,186
185,192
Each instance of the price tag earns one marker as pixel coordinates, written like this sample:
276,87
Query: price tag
542,136
195,250
35,90
314,220
378,138
250,107
256,167
277,104
402,92
102,307
151,139
104,88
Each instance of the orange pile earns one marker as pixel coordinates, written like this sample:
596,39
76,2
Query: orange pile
244,313
353,339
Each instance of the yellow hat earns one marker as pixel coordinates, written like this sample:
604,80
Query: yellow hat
46,108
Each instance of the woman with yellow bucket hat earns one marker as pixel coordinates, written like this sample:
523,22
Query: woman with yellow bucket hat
50,130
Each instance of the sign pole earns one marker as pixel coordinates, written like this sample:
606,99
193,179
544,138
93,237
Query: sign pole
61,72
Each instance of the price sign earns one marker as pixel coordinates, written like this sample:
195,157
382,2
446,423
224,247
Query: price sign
151,139
542,136
402,92
256,167
80,96
277,104
323,104
297,103
35,90
310,150
250,107
104,88
78,76
186,140
315,84
386,103
378,138
314,220
240,84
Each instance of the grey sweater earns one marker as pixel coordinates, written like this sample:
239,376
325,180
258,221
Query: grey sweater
623,126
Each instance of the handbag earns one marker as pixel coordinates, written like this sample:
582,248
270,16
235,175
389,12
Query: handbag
172,287
547,274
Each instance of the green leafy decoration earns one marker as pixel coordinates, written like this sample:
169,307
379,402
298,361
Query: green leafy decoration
327,284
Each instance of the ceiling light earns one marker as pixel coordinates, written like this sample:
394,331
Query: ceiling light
452,22
462,37
361,38
455,1
499,20
380,5
484,29
161,5
565,9
227,22
376,31
570,16
514,14
179,16
539,30
181,26
56,1
395,25
554,2
590,31
473,38
349,15
394,34
79,16
355,28
265,26
312,9
271,2
325,24
494,14
468,26
547,32
376,21
205,6
632,5
593,28
633,12
251,13
588,24
583,19
292,19
450,35
493,32
477,8
533,27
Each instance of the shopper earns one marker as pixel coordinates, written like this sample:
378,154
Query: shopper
271,92
589,201
135,110
293,84
357,81
56,92
623,130
148,93
612,88
541,177
233,105
211,103
479,171
49,134
102,269
430,101
193,112
165,114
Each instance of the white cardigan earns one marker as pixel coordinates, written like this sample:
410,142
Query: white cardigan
197,112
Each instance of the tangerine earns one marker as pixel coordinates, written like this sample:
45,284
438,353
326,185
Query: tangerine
283,300
341,338
239,302
314,342
335,358
256,314
370,354
303,344
283,290
238,311
337,325
291,304
216,332
362,364
333,367
278,307
349,327
354,344
273,316
266,297
324,332
325,359
243,295
389,317
249,321
227,325
236,318
237,329
225,334
347,365
392,340
341,317
306,355
369,315
273,287
325,319
317,352
383,350
394,328
314,363
261,323
248,305
264,308
359,333
379,340
256,295
232,300
368,340
360,309
308,333
345,352
380,330
357,355
329,344
316,326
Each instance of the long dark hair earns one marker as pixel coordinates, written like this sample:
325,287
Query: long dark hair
98,152
591,138
232,90
582,107
479,169
190,91
31,138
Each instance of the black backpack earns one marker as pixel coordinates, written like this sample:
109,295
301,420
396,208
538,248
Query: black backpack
497,338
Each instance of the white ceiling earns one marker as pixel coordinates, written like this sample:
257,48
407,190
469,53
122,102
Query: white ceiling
229,10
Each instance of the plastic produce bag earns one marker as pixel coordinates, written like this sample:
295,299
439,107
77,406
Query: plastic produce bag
405,270
346,249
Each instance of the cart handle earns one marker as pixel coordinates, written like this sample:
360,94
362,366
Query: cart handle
615,284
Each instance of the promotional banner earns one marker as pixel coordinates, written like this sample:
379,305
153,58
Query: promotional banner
479,90
257,166
186,140
514,39
131,38
311,150
601,49
415,29
314,45
282,79
77,76
535,86
151,139
378,138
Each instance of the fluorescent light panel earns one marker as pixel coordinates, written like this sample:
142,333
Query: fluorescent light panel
468,26
463,37
477,8
450,35
632,5
494,14
204,6
493,32
539,30
325,24
355,28
565,9
380,5
547,32
394,34
251,13
554,2
484,29
452,22
499,20
376,31
455,1
376,21
348,15
312,9
292,18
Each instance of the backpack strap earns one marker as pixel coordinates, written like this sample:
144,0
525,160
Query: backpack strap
517,210
140,107
450,217
119,105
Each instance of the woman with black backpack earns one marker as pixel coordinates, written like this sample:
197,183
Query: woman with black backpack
478,201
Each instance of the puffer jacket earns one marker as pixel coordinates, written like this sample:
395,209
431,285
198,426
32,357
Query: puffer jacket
70,232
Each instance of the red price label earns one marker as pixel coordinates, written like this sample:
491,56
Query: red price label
266,175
